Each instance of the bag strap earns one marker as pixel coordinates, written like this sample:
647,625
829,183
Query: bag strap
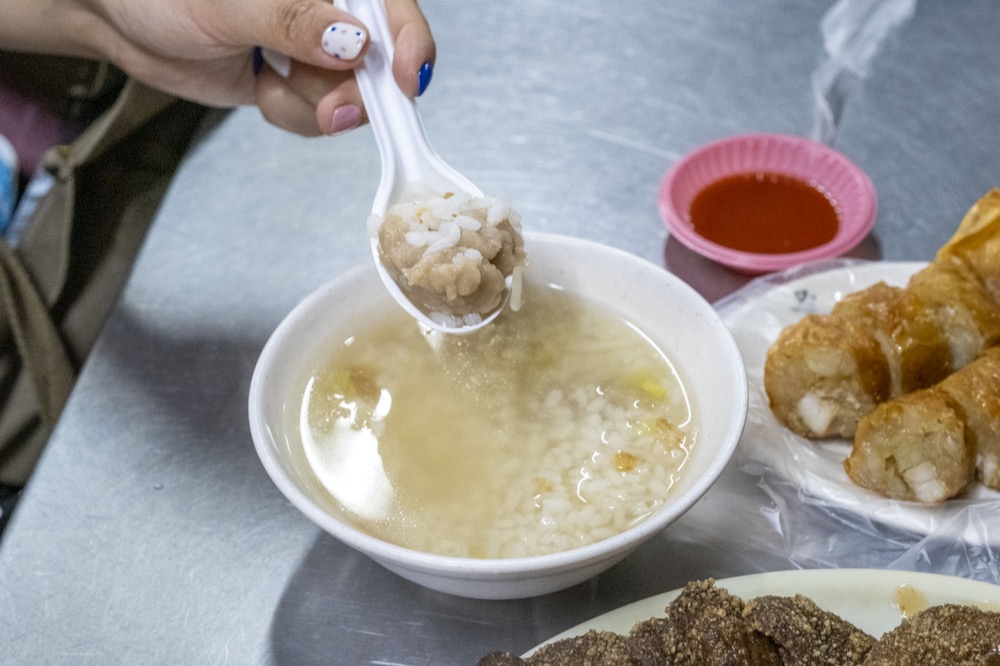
135,106
26,298
38,342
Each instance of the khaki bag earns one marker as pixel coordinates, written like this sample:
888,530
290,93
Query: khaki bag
64,273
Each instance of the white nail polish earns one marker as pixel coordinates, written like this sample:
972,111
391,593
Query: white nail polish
279,62
344,40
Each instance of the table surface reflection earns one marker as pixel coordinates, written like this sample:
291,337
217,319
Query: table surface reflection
151,533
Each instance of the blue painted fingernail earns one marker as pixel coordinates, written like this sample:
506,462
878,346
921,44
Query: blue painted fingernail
257,60
424,77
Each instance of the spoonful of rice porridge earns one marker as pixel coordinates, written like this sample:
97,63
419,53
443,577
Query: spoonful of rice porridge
449,255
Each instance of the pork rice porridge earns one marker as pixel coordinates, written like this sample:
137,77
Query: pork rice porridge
557,426
455,256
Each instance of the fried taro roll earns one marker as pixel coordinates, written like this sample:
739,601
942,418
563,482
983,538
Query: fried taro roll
911,340
958,300
927,446
913,448
823,374
976,390
826,372
976,242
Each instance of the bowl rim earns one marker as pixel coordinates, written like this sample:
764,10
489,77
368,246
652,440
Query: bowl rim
849,234
497,568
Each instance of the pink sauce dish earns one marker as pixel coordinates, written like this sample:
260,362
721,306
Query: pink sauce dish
758,203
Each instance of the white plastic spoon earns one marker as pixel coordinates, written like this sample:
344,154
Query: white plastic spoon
411,169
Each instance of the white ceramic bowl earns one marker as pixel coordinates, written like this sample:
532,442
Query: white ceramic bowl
660,304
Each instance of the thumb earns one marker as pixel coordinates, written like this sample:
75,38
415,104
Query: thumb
310,31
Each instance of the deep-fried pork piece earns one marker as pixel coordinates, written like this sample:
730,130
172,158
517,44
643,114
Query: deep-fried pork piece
501,659
807,635
595,648
704,626
947,634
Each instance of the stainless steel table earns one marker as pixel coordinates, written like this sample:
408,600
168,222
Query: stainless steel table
150,532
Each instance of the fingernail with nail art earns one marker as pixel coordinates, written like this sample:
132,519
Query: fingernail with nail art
424,77
345,117
344,40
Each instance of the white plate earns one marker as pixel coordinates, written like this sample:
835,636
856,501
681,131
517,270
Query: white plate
873,600
755,315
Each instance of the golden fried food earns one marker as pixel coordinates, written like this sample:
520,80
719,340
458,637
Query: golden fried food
960,304
977,241
976,390
913,448
927,446
823,374
907,331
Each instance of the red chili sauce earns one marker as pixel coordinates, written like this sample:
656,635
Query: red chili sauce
765,213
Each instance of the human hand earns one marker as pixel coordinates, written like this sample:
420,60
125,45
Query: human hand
203,50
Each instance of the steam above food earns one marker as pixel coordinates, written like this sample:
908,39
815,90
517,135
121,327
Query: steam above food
454,256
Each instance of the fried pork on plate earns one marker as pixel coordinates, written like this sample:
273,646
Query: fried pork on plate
704,626
594,648
807,635
942,635
501,659
707,626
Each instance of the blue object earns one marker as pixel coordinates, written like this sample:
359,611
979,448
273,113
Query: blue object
8,182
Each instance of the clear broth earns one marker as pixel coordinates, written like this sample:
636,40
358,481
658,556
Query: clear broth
557,426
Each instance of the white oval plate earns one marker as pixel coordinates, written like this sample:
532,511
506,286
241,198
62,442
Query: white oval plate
755,315
874,600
